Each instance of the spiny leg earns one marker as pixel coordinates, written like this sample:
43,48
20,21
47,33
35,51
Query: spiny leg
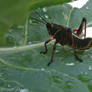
80,29
79,59
45,45
75,54
54,48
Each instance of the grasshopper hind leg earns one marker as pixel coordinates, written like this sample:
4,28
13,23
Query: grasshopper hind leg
79,59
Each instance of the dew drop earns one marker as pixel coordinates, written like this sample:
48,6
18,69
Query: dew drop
30,21
29,43
90,68
90,56
81,72
42,69
87,7
44,10
46,16
70,64
9,85
86,73
10,31
24,90
57,51
40,18
14,47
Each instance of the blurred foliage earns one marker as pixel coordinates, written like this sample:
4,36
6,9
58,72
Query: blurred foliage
15,12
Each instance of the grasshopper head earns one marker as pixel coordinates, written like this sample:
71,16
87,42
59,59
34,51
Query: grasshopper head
51,28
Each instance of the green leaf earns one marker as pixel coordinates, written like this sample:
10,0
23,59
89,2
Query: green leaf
23,67
15,13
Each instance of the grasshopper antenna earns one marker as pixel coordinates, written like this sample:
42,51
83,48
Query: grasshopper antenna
38,20
41,17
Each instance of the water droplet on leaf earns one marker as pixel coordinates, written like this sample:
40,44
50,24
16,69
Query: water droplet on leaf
29,43
70,64
87,7
46,16
44,10
30,21
9,85
42,69
24,90
90,68
86,73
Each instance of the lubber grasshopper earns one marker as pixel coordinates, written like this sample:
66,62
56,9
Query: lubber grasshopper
65,36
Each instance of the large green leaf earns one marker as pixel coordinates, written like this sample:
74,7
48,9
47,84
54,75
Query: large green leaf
15,12
24,67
